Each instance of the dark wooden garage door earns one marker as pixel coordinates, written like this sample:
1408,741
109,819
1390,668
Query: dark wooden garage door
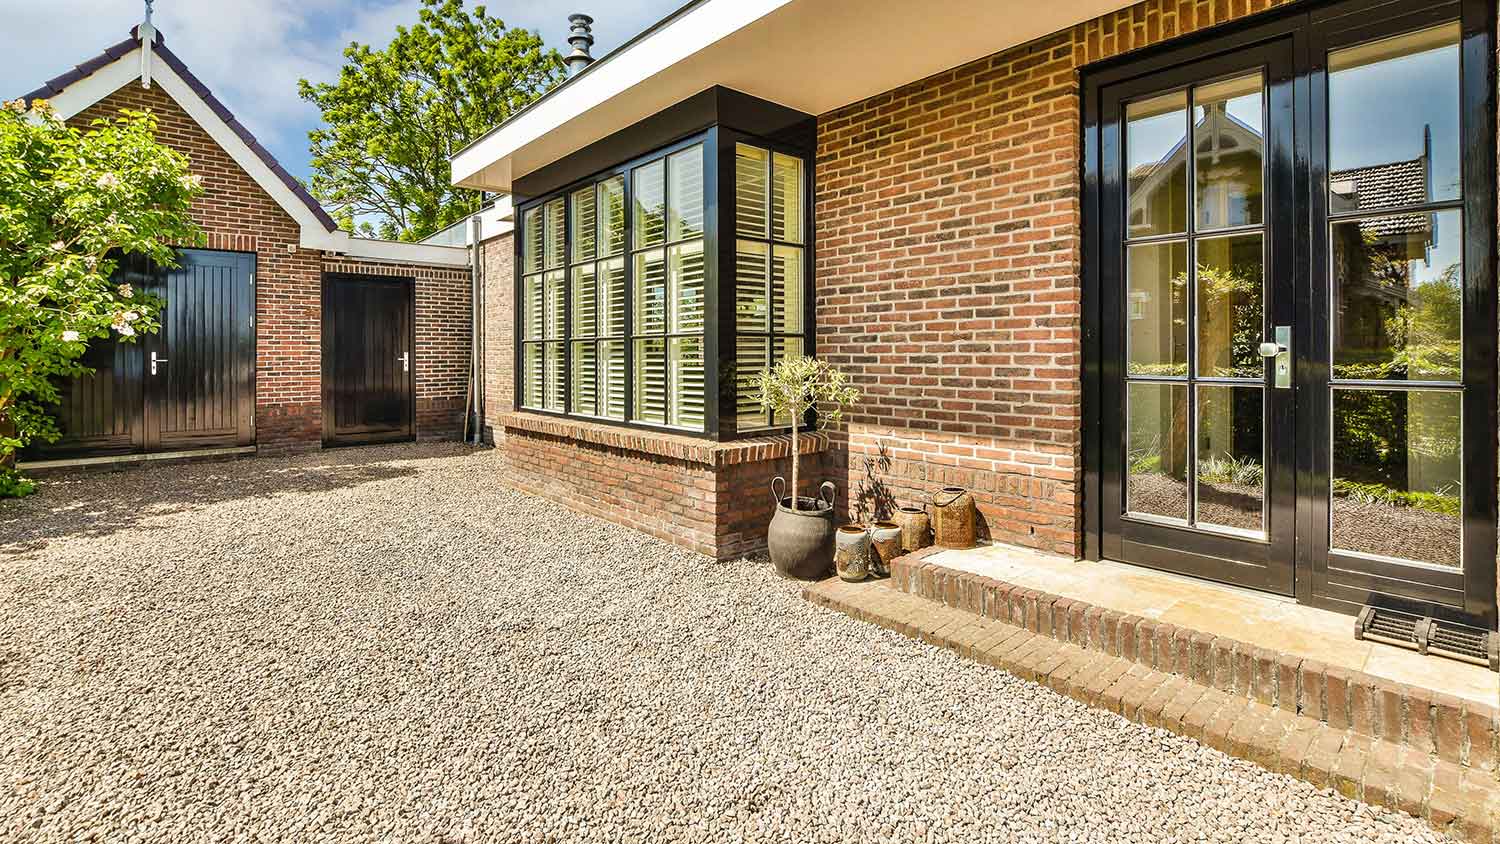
368,379
190,386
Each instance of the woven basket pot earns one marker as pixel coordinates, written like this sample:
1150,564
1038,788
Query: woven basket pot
916,528
953,517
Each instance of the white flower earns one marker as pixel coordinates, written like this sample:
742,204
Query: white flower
126,291
108,180
59,246
125,331
191,181
18,106
70,336
131,316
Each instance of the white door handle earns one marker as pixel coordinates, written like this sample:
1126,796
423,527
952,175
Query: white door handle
155,360
405,361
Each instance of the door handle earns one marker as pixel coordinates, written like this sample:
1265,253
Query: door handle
1281,350
155,360
405,361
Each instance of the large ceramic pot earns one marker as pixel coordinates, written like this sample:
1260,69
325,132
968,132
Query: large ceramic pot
801,540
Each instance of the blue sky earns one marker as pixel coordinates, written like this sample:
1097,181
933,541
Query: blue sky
252,52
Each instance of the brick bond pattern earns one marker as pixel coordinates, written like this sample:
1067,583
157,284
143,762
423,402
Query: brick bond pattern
237,215
709,497
948,257
497,274
1335,729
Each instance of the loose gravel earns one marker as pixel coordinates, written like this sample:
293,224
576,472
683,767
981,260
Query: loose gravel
386,644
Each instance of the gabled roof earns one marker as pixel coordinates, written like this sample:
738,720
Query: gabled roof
121,64
57,86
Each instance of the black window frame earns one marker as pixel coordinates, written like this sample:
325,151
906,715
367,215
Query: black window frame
719,334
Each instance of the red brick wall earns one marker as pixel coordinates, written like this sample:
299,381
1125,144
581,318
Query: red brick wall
948,249
497,268
236,214
441,357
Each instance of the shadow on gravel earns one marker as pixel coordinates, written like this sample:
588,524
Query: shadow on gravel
99,503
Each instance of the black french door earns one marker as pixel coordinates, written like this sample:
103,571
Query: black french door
189,386
1291,311
368,362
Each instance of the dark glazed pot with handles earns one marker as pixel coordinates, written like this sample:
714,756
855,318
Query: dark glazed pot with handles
801,540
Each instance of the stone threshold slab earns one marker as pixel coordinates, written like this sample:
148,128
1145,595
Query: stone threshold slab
1459,800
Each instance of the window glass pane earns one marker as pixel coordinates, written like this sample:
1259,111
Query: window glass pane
611,300
1156,309
556,232
531,366
685,217
585,301
611,216
1228,140
751,300
612,378
783,348
650,292
1393,121
686,359
535,236
651,380
1398,474
749,360
649,201
1156,165
786,199
1156,450
552,291
531,307
751,187
554,376
584,379
584,224
1398,297
1231,466
686,270
1231,322
786,285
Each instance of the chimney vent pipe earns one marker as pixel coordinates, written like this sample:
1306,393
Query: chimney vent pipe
581,36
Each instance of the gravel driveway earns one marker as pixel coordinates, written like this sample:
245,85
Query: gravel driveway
386,645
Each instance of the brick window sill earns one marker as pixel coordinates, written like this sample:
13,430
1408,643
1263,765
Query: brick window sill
663,443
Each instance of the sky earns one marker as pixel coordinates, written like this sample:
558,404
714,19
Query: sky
251,53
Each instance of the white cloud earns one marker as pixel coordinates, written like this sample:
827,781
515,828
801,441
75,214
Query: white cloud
252,52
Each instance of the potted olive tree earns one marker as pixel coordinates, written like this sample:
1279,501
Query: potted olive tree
800,538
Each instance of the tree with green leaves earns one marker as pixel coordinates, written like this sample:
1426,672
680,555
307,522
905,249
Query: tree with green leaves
397,114
72,202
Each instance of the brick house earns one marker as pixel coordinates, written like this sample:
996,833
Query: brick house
986,219
281,332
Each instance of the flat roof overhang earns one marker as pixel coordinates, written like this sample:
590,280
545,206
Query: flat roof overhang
810,55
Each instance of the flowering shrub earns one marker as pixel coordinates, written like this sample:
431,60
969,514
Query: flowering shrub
72,201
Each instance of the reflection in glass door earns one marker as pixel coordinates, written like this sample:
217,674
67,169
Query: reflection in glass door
1196,490
1392,236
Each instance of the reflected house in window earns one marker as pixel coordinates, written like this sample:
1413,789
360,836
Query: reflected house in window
1228,170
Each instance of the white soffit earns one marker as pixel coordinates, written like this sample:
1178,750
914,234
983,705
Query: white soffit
810,55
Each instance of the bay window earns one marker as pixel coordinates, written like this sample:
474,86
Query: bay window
618,280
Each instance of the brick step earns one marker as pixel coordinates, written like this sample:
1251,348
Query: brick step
1458,800
1462,732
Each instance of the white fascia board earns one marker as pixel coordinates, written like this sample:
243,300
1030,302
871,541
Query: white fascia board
369,249
126,69
676,41
98,85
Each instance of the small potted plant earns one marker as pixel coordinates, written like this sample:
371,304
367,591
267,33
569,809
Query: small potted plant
800,538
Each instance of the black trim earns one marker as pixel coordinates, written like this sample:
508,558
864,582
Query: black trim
1322,578
784,131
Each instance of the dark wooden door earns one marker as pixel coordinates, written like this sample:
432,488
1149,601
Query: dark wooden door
201,393
200,367
368,367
